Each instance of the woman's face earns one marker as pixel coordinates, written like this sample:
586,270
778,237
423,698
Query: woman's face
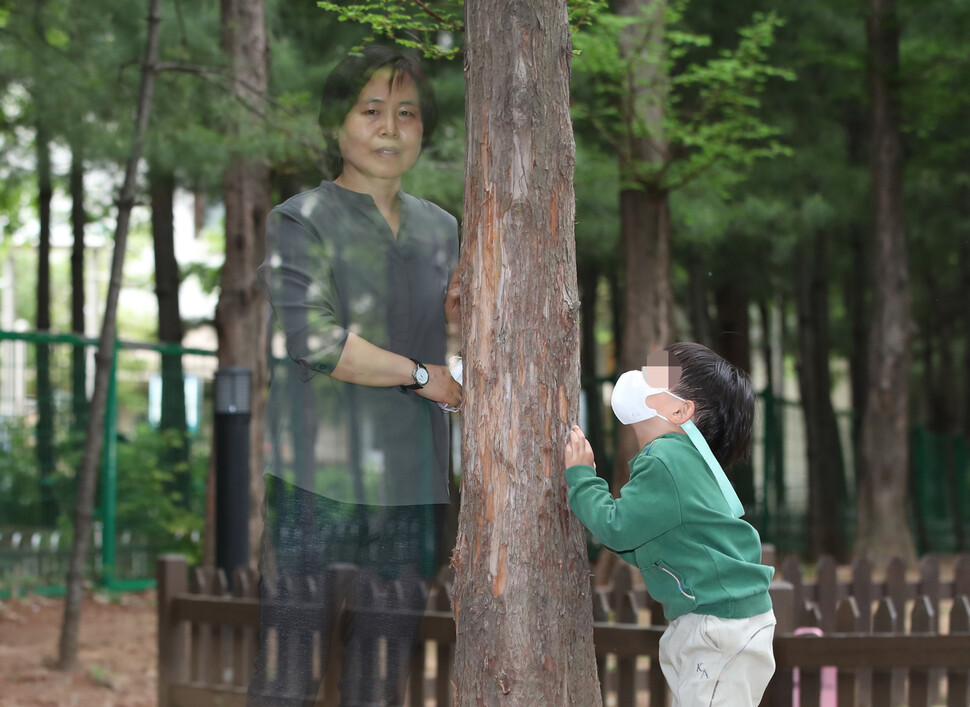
381,135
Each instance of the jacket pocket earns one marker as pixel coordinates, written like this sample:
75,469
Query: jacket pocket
668,587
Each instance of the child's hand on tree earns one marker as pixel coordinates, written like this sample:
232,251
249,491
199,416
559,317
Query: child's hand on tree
578,449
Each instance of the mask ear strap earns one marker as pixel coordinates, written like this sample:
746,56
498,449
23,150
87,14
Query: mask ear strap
730,495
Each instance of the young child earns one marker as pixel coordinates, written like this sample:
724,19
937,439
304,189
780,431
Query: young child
679,521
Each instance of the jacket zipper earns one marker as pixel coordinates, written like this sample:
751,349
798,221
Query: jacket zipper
679,585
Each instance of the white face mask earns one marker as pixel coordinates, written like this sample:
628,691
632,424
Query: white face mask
629,399
629,404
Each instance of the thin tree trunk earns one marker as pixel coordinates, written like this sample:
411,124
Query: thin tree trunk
697,300
44,447
617,297
588,274
767,345
241,314
88,473
648,296
732,332
167,281
965,324
732,339
79,398
962,414
857,286
884,527
645,208
522,603
857,283
826,478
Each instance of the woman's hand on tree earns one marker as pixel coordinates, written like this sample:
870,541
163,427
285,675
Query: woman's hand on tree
441,386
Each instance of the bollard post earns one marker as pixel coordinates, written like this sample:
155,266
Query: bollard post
232,416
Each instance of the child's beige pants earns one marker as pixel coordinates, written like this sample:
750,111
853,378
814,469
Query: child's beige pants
712,662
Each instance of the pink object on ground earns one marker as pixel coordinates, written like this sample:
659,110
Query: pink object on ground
829,696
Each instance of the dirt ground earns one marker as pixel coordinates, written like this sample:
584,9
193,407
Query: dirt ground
116,659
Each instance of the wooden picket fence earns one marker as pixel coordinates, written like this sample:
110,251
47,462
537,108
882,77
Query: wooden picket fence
900,639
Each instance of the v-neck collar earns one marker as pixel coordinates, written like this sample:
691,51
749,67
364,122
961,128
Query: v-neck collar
366,201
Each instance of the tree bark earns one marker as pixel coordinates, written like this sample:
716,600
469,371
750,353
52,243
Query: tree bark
699,312
87,476
826,474
965,323
856,288
857,282
241,313
884,527
588,281
44,430
732,339
167,281
79,399
732,331
522,590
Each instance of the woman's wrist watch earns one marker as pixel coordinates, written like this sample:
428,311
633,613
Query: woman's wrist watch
419,375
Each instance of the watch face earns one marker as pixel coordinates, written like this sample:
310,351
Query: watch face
421,375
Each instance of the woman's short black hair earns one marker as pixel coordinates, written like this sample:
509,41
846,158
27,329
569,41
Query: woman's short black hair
723,398
347,80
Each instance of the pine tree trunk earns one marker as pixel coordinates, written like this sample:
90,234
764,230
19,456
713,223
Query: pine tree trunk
522,590
732,339
857,283
167,280
648,296
884,527
589,275
45,400
645,208
698,308
241,315
856,288
965,322
826,476
79,400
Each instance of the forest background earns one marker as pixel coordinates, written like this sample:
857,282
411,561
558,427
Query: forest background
759,229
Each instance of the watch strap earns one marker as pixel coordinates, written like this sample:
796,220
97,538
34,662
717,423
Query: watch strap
416,385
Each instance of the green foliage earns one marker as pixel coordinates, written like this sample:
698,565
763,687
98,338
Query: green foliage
720,123
431,27
596,186
411,24
158,501
711,104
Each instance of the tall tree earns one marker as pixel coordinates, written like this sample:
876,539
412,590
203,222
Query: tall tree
79,398
167,278
648,305
45,190
884,528
88,473
241,317
521,595
45,402
826,475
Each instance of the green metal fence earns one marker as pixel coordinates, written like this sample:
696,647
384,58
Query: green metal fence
155,457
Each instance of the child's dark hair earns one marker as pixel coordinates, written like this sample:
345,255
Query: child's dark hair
723,398
348,78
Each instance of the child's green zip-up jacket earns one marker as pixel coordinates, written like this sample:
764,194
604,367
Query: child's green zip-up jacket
672,521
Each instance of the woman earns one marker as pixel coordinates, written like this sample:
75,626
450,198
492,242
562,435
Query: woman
360,277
